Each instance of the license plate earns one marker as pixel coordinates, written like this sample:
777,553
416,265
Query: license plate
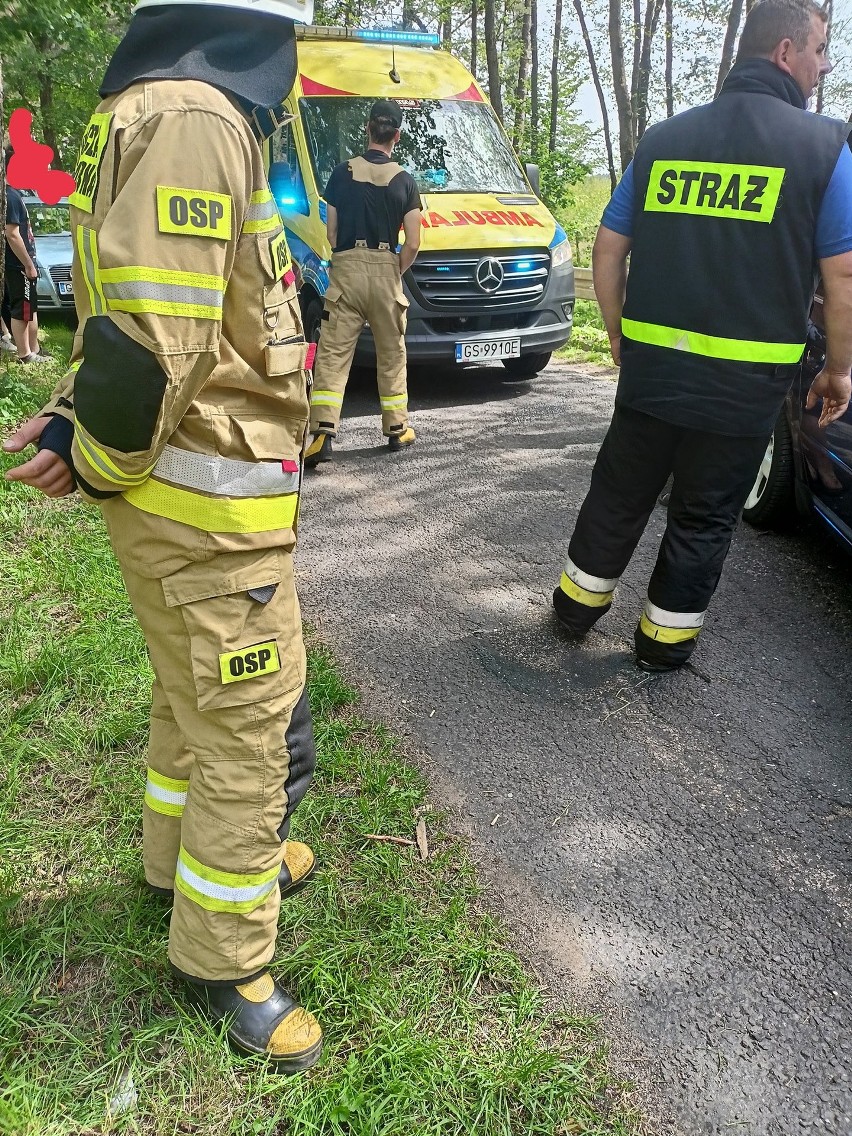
480,350
66,288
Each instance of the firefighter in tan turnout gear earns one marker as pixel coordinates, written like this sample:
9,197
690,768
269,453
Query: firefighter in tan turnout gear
369,198
184,415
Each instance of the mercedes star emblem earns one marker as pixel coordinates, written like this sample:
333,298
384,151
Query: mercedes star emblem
489,274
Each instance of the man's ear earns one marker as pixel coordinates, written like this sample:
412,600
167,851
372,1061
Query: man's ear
782,54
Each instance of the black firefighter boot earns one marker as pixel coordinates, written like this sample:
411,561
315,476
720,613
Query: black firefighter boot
262,1018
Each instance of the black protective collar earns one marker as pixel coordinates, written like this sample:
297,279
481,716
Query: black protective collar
762,77
248,54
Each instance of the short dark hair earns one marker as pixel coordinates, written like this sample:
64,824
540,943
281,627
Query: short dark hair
381,130
770,21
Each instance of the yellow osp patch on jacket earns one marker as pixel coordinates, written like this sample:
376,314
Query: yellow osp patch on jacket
249,662
194,212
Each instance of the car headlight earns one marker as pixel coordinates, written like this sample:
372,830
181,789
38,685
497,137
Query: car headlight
560,254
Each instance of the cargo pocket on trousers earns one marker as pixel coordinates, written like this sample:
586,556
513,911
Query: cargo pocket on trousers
242,626
401,309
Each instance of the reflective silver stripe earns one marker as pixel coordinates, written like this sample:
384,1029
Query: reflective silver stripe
166,293
664,618
167,796
90,269
224,477
261,211
584,580
393,401
223,892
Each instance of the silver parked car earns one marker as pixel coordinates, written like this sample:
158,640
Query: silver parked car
51,226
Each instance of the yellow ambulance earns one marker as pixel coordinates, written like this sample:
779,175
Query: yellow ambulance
494,279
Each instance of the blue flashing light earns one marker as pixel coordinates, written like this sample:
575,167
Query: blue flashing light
443,268
523,266
286,200
391,35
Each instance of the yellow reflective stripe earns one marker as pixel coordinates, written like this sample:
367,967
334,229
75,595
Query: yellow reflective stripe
244,515
166,308
260,197
714,189
161,276
99,460
165,795
667,634
395,400
74,367
87,267
264,225
713,346
326,398
583,595
222,891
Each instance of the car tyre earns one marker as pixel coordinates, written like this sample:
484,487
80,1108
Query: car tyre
525,366
771,502
312,319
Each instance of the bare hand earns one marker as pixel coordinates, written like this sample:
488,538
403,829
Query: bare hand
615,348
834,389
46,471
31,273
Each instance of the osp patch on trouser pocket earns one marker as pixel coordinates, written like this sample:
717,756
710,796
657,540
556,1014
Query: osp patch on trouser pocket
241,625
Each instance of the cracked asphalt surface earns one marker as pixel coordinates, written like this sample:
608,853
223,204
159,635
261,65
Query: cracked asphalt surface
672,851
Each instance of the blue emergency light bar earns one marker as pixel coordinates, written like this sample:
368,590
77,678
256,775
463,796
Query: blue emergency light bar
371,35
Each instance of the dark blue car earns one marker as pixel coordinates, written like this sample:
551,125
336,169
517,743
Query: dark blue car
805,468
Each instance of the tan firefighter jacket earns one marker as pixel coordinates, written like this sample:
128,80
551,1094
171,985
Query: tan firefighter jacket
187,386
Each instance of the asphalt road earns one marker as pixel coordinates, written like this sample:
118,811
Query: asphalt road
673,850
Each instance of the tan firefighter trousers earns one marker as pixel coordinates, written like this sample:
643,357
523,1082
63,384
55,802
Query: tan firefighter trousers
365,287
230,751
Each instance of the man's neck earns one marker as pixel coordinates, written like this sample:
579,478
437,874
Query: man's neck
371,145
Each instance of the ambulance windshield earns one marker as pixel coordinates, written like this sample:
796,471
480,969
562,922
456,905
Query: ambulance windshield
448,146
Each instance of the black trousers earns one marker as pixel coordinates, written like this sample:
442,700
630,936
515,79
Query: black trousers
713,475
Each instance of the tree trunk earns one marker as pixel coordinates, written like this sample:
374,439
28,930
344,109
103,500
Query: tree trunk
45,99
649,30
669,59
828,9
534,104
626,127
447,25
596,79
735,15
492,59
554,77
637,38
474,15
521,87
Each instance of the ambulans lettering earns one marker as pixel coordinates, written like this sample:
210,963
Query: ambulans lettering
87,170
433,220
193,212
249,662
745,193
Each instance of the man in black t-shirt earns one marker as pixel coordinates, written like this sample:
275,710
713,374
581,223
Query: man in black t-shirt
21,276
369,199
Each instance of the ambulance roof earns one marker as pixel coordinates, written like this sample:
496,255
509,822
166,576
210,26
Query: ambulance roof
340,67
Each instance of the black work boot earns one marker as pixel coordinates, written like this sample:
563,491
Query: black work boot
262,1018
319,450
401,438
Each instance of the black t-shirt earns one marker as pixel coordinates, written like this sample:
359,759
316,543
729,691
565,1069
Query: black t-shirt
16,214
368,212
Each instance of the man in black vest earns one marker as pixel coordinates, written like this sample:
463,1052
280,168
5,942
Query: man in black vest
369,198
727,212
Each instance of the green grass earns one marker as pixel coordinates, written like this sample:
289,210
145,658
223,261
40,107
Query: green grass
589,342
432,1027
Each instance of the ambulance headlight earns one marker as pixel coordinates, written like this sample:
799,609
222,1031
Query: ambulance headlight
560,254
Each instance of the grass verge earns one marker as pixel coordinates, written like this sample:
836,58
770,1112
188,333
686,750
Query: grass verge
431,1025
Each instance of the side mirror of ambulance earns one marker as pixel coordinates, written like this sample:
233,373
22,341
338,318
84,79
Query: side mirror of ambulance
288,189
533,177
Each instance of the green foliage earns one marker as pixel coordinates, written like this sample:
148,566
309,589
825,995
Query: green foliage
54,55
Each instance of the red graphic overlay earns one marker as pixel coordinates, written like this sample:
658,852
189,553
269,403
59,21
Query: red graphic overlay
29,166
